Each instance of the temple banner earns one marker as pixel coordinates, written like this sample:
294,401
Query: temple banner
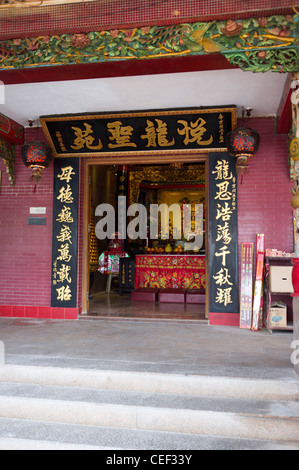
147,132
223,234
65,233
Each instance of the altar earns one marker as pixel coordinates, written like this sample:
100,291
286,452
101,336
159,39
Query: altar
182,271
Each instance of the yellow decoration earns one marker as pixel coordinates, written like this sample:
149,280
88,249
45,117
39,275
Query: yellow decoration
168,248
294,149
93,246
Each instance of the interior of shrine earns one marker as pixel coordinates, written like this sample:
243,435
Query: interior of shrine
164,249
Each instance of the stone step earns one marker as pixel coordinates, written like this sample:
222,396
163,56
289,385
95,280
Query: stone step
267,408
204,422
27,434
193,385
205,407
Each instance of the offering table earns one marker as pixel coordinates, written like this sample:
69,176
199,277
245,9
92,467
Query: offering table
181,271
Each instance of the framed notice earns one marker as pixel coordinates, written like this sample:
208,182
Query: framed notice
223,234
246,293
258,292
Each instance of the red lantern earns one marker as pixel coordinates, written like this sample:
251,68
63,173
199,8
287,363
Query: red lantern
242,143
37,156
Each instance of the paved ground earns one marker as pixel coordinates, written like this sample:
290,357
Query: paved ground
166,347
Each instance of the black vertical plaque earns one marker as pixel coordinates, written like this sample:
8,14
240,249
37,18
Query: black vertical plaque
223,234
65,233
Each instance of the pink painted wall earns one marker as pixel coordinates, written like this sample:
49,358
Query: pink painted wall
264,196
26,251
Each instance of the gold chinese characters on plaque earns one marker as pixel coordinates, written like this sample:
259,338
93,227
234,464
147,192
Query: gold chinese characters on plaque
189,130
65,219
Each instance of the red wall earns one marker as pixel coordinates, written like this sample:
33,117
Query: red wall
25,259
25,255
264,196
112,14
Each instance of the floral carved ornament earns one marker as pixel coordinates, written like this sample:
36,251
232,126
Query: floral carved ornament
255,44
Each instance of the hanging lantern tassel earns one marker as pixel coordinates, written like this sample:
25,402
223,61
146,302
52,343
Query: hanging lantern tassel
36,175
37,156
242,166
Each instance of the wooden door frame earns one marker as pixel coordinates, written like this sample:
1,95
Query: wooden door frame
131,160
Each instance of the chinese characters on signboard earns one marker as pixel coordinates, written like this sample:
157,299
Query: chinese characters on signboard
194,130
65,231
223,234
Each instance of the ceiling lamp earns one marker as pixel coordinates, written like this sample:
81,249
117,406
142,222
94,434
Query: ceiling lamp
242,143
36,155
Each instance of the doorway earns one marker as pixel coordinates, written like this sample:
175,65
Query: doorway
176,182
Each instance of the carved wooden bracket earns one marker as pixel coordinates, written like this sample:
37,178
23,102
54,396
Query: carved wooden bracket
253,44
11,133
7,152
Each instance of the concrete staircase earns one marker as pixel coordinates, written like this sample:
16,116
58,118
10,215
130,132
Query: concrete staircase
58,408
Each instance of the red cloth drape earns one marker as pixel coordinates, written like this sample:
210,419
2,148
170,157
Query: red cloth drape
170,271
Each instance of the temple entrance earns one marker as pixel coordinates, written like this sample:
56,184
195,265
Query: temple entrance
150,265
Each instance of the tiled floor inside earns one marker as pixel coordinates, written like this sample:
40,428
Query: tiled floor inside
113,305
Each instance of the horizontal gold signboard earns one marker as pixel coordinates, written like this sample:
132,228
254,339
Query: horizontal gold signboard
145,132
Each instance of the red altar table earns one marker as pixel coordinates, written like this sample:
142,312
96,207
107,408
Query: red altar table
170,271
